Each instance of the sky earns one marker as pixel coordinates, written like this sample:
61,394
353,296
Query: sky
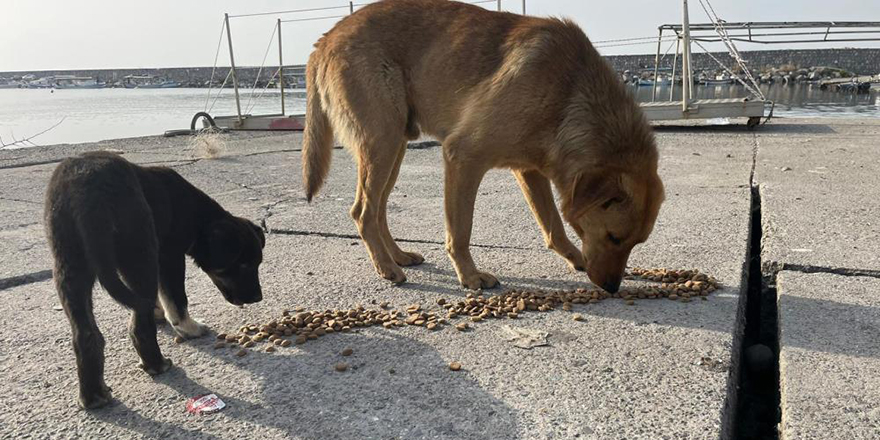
93,34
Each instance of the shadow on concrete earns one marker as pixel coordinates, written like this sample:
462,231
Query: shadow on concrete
304,397
124,417
768,128
829,326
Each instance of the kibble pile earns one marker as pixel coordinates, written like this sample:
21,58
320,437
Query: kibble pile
299,326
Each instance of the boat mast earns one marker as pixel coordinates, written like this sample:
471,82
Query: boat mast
232,63
280,68
687,78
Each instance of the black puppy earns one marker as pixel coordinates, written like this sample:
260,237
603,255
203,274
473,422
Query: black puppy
107,217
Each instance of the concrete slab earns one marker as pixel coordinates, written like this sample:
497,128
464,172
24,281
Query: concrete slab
830,356
817,179
660,369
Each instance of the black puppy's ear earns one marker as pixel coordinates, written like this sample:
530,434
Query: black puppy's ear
218,246
260,234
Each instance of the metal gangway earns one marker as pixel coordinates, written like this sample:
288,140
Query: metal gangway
717,30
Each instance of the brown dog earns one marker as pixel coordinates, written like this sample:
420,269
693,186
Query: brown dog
498,90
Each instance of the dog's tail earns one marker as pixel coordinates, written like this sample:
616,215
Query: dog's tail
318,137
97,238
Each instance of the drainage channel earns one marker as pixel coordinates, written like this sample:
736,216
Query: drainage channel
758,405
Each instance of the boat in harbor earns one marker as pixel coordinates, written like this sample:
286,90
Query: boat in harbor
719,80
77,82
9,83
148,82
650,82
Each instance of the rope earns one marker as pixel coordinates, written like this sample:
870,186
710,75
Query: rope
228,75
290,11
263,63
731,49
266,87
214,67
314,18
754,91
654,38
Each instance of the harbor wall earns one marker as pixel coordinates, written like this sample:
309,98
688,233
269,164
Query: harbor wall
856,61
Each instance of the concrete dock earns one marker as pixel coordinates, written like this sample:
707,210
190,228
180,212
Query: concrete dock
660,369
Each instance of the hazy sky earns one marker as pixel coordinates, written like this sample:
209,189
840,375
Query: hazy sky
69,34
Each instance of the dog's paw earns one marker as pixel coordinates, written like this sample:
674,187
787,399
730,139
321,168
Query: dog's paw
393,274
479,280
96,399
408,259
155,370
190,328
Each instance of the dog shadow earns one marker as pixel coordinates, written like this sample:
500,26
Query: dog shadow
395,388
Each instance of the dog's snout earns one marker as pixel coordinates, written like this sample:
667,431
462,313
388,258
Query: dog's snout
611,286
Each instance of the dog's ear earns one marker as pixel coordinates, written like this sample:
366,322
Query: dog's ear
218,246
260,234
591,190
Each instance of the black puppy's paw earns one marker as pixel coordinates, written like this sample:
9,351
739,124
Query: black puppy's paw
164,366
96,399
190,328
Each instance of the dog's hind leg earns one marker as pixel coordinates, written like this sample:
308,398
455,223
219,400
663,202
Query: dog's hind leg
74,283
400,256
138,264
373,176
539,195
369,115
172,296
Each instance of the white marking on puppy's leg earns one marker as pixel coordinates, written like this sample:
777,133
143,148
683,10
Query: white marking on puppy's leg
159,313
190,328
182,323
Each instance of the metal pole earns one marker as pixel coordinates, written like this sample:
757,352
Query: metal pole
232,63
687,80
280,67
351,7
674,62
524,7
499,5
656,66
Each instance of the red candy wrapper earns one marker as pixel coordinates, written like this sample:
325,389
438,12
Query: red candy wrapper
205,404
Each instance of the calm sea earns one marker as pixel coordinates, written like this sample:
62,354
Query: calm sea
93,115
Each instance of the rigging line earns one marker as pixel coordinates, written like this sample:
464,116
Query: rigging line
597,46
314,18
731,48
266,87
228,74
732,75
667,50
290,11
263,63
214,67
633,39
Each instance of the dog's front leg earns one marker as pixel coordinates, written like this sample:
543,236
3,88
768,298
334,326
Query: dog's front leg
172,295
461,185
539,195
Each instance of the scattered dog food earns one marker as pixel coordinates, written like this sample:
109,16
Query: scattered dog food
342,366
300,326
455,366
347,352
